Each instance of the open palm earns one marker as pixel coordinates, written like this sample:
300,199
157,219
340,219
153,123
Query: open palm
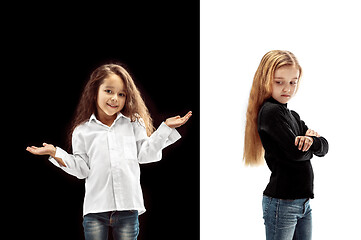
178,121
47,149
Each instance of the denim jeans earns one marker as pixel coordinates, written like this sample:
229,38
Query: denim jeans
124,225
287,219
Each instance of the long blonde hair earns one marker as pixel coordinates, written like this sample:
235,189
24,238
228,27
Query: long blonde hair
262,90
134,107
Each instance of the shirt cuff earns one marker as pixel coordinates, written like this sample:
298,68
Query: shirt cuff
316,145
60,153
171,133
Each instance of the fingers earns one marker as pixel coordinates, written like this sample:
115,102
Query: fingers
303,142
32,149
175,122
297,140
307,144
311,133
44,150
188,115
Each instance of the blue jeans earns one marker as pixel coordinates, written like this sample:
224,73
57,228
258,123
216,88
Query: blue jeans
287,219
124,225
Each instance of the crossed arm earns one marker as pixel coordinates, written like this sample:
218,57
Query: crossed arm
305,142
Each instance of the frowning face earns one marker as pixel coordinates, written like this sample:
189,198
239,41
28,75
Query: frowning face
284,83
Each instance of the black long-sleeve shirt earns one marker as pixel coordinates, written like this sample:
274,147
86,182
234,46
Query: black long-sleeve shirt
291,169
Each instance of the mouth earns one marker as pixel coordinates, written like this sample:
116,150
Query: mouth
112,106
286,95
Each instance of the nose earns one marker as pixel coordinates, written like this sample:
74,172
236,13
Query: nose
114,97
286,88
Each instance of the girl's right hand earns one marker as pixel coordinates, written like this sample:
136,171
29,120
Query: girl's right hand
303,142
47,149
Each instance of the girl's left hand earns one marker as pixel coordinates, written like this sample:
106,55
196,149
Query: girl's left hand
178,121
311,133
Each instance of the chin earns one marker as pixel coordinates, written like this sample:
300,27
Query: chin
110,113
284,99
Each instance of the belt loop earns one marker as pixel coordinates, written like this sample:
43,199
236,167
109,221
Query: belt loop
304,205
111,217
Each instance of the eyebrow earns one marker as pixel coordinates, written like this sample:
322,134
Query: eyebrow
113,88
284,78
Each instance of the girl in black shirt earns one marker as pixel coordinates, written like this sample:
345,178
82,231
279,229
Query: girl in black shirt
278,135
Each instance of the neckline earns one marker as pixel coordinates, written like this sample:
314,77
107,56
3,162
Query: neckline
272,100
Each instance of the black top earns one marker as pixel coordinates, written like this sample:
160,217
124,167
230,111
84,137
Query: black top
292,174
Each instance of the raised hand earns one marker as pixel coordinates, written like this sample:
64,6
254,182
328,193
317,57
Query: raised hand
47,149
178,121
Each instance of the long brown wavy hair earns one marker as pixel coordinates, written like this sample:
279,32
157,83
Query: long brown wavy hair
262,90
134,107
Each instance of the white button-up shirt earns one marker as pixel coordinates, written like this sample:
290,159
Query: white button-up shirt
108,158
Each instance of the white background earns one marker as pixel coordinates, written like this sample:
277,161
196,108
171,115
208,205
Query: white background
325,37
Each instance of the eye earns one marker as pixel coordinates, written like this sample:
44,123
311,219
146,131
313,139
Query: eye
293,83
279,82
108,91
122,94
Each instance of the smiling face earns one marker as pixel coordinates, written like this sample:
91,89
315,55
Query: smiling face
111,98
284,83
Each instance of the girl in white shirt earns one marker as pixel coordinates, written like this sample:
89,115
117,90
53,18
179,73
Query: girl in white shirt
112,133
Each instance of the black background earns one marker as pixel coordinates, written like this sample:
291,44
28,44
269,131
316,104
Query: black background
49,52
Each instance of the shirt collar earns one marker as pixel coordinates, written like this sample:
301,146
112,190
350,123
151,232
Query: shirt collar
119,115
272,100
